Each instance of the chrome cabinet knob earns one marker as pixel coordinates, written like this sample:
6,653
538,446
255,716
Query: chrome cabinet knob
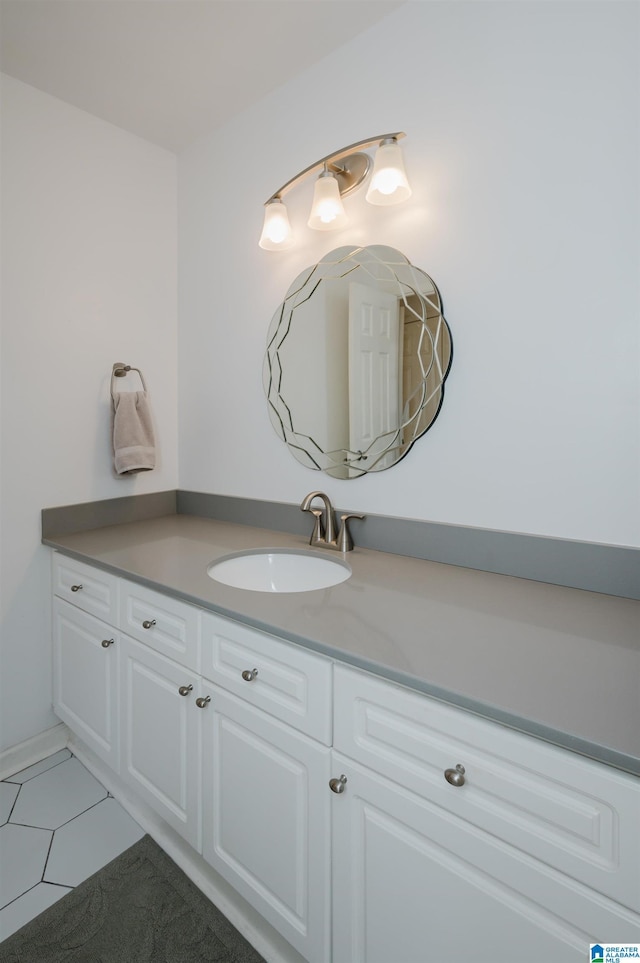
202,702
76,588
106,643
249,675
337,785
184,690
455,777
148,623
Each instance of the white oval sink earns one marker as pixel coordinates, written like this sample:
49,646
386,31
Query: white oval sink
278,570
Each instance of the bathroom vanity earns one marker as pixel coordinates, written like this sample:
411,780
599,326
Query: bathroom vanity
422,762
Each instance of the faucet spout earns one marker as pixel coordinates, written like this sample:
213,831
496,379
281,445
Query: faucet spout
329,537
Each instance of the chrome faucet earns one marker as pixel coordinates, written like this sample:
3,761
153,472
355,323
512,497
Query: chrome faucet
324,532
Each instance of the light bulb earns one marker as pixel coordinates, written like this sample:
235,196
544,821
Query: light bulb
327,212
276,230
389,184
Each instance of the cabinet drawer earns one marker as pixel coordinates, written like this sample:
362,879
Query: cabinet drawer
86,587
167,625
291,683
577,815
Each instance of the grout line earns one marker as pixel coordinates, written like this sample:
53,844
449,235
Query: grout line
77,815
50,769
35,776
46,859
14,803
19,896
92,806
42,880
42,829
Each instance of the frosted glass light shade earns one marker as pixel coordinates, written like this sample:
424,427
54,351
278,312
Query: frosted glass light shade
327,211
276,230
389,184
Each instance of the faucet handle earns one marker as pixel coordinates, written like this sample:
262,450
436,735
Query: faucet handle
345,542
317,534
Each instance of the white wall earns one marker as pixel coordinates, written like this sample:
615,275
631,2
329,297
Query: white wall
522,150
89,278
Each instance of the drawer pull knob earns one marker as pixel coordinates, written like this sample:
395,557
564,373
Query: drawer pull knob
249,675
455,777
184,690
148,623
107,642
202,702
76,588
337,785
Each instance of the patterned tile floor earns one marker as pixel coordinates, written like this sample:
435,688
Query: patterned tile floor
58,825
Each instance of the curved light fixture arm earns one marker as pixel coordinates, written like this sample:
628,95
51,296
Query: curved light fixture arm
331,162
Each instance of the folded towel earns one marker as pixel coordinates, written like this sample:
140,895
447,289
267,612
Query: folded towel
133,440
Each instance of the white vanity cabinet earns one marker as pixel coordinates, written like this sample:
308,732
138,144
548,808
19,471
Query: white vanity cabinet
366,822
266,771
266,819
160,735
284,679
509,860
161,694
413,884
167,625
86,655
86,587
232,750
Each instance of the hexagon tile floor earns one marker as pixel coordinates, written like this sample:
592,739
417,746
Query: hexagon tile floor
58,826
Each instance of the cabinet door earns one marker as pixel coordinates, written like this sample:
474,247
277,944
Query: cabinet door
160,736
85,693
412,884
266,818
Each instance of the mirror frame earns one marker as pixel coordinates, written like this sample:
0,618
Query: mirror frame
388,268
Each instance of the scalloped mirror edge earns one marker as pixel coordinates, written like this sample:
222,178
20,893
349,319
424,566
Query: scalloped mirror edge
357,357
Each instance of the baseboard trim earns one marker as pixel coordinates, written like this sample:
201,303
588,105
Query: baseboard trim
32,750
267,941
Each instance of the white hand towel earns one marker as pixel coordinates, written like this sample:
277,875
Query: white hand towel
134,447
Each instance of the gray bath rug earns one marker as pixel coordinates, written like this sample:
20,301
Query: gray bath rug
140,908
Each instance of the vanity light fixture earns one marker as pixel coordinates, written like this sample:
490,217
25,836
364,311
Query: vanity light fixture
276,232
389,184
340,174
327,210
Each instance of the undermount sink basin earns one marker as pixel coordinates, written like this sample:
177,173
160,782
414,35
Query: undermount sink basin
278,570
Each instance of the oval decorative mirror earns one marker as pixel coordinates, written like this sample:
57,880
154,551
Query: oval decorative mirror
357,356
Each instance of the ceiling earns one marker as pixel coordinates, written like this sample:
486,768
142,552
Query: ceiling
171,71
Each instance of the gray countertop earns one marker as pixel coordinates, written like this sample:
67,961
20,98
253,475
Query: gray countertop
561,664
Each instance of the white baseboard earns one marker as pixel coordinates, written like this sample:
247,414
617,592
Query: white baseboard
267,941
32,750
